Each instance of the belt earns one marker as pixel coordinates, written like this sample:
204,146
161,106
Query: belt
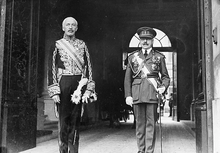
71,74
152,75
148,76
68,72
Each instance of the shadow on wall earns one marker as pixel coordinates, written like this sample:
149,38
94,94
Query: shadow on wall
4,150
178,45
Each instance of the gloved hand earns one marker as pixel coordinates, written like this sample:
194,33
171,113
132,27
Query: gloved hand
56,98
85,97
161,89
129,101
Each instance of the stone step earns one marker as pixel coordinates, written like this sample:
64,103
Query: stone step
50,131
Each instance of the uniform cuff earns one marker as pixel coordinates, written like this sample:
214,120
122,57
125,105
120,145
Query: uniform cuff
54,89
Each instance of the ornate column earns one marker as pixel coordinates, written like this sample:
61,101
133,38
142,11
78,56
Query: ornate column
19,85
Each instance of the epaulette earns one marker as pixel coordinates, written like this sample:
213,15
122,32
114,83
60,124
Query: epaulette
57,45
156,51
132,53
80,41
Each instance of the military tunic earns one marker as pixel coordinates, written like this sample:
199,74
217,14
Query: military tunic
137,84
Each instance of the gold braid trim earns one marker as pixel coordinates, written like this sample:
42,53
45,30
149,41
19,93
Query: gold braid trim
89,63
90,93
54,89
54,66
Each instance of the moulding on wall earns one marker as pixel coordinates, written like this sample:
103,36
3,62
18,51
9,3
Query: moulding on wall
215,36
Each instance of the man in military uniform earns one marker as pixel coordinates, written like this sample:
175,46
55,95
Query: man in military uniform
146,76
70,84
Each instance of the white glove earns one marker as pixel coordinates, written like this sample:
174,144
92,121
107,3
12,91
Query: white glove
129,101
85,99
56,98
161,90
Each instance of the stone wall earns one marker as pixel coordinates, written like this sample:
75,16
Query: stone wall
216,70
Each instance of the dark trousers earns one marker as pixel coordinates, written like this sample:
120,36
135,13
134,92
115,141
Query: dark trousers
69,116
146,116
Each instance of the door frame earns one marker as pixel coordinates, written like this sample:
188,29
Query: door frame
2,37
209,77
207,67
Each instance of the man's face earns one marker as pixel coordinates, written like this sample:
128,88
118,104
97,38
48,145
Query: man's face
146,43
70,27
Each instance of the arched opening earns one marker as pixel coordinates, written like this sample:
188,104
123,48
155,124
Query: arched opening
161,40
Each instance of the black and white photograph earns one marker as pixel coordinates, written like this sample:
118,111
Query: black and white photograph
109,76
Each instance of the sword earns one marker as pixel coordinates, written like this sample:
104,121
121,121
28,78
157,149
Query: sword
159,96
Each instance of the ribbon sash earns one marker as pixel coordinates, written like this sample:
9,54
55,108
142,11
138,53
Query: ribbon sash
153,81
71,51
142,68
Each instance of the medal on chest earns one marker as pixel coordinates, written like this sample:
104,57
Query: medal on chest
156,63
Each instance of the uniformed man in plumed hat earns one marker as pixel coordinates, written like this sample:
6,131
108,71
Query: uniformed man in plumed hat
70,84
146,76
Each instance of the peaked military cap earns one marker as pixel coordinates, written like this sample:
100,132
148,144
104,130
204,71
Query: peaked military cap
146,32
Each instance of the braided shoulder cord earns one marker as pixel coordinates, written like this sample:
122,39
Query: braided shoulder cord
54,67
89,63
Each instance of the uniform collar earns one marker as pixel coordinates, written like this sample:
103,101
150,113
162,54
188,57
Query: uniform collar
70,39
148,50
